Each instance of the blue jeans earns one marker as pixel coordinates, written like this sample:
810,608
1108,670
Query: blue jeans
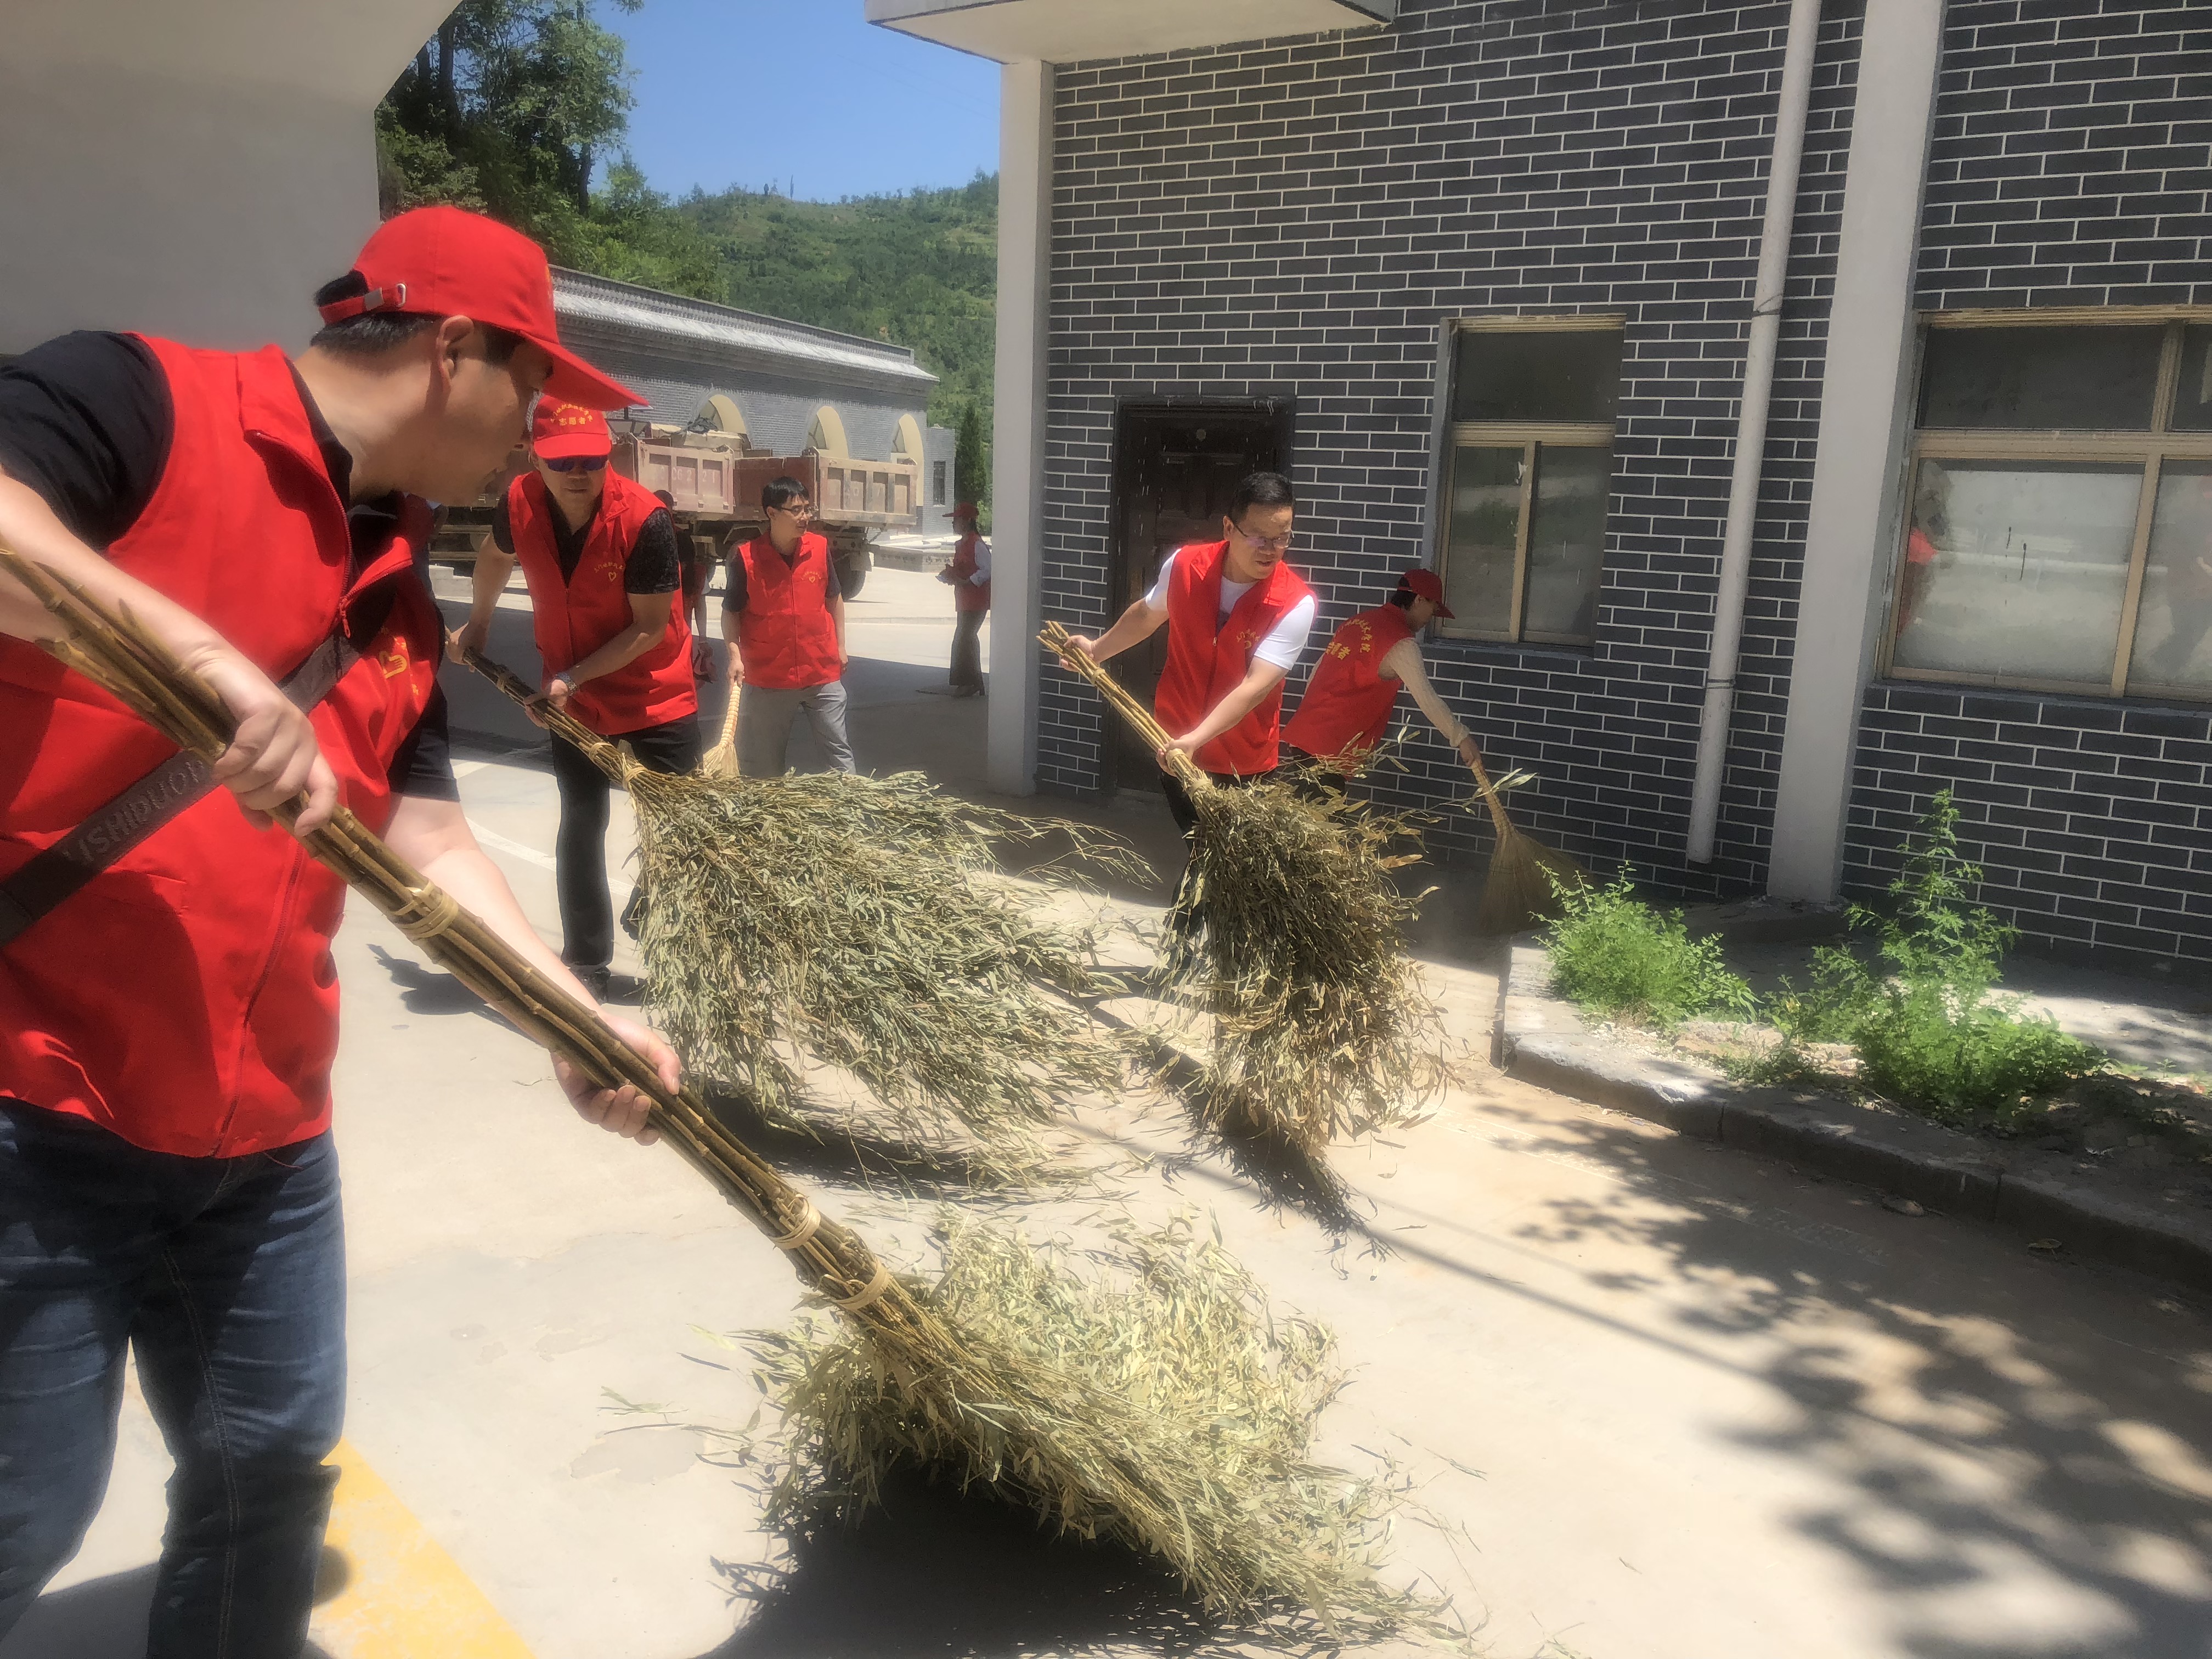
226,1277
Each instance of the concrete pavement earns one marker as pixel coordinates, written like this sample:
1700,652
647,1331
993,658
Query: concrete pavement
1720,1411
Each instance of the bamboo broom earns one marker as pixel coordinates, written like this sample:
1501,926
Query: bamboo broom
999,1395
722,761
1294,942
837,914
1520,890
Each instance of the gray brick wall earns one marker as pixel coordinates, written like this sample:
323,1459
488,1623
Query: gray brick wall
2071,165
1296,218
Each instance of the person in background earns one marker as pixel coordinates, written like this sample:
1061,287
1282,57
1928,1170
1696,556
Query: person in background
1347,708
1237,615
698,562
969,574
169,1188
598,553
783,614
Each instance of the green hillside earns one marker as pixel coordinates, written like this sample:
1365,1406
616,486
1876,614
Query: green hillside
512,109
920,269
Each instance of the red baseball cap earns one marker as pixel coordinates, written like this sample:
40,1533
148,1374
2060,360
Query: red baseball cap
443,262
966,510
561,431
1424,583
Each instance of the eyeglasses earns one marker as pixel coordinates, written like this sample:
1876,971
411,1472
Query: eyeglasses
1272,543
575,464
796,509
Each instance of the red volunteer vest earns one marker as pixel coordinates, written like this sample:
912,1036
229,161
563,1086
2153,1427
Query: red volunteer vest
786,633
575,615
1347,708
1209,655
184,998
968,594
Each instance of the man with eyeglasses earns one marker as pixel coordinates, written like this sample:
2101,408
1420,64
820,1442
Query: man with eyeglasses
598,553
783,614
1236,616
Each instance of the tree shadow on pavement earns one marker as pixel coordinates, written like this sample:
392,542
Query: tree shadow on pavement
935,1574
2012,1450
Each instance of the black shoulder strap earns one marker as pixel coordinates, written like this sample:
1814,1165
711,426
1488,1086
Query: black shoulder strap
156,799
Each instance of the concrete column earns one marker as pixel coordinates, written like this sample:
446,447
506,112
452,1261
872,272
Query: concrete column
1865,414
1018,423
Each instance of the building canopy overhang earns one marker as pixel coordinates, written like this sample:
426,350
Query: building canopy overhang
1059,31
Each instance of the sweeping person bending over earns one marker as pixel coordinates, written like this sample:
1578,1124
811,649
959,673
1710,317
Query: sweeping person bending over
783,614
1347,704
598,553
168,1006
1236,616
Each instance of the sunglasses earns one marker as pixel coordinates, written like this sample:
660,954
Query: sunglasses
575,464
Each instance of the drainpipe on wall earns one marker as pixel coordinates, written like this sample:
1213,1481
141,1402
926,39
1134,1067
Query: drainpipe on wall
1751,426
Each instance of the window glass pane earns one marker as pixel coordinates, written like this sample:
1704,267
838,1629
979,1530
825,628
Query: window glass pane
1566,541
1541,375
2193,397
2017,568
2173,622
1486,531
2073,379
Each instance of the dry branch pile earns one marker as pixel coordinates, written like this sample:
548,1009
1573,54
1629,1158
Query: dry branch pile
854,919
1291,933
1204,1455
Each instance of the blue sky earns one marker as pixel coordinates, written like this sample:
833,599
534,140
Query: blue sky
744,92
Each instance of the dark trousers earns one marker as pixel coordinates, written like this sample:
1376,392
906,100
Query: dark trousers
580,853
1309,780
967,647
1185,915
227,1277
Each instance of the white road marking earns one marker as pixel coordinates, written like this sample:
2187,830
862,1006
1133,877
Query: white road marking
496,842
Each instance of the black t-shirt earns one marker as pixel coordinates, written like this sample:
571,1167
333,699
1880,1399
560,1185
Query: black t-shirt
734,583
86,421
651,566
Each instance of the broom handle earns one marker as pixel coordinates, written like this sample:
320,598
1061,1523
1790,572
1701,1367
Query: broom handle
113,652
1490,796
559,721
1056,638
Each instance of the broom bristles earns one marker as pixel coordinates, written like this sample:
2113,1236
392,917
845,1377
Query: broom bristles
1518,892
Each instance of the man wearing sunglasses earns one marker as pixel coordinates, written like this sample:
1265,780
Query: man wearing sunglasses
1237,617
598,553
783,613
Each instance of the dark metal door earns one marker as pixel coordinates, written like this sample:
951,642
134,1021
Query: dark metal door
1175,467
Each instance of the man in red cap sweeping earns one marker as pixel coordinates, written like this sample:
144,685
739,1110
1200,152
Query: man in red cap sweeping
168,1010
1236,616
599,552
1347,708
969,573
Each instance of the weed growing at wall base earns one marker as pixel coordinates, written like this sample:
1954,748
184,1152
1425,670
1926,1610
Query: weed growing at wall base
1615,956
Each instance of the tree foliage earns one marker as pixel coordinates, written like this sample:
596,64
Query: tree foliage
518,109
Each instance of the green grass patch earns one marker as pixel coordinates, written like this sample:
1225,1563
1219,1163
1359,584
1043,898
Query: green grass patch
1617,958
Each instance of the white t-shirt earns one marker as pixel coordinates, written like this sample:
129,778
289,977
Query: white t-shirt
1284,641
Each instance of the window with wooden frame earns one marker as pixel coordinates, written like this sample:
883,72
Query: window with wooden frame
2058,523
1527,469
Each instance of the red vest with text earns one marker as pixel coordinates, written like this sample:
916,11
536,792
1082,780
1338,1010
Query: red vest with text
967,593
575,615
185,999
1347,708
785,633
1209,654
